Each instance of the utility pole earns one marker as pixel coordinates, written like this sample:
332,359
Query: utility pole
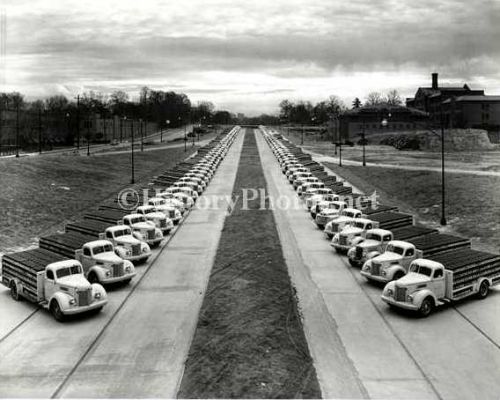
133,167
443,211
78,122
40,130
17,129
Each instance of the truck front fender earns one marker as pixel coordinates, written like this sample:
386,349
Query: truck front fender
418,297
121,251
372,254
357,241
99,271
98,288
63,300
395,270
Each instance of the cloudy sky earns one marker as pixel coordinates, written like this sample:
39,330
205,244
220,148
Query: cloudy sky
248,55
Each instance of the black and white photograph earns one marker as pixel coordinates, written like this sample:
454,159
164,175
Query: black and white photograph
229,199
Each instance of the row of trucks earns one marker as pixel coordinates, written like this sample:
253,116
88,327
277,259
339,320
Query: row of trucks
68,272
420,267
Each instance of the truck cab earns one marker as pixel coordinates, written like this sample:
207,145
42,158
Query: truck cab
297,171
101,264
168,199
302,178
160,219
346,217
196,189
126,245
393,263
199,175
312,183
320,194
352,234
327,211
374,244
202,185
424,287
143,229
179,194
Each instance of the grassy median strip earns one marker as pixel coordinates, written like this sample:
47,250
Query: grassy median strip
249,341
39,194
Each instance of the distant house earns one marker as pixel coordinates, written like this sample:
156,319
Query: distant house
457,107
368,120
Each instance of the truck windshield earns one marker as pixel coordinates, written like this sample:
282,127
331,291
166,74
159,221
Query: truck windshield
102,249
395,249
420,269
123,232
148,210
349,214
137,220
73,270
334,206
374,236
359,225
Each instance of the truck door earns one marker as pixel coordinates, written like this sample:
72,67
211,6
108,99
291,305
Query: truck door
408,258
49,285
438,284
87,261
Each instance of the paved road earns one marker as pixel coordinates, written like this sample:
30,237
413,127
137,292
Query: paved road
138,345
359,344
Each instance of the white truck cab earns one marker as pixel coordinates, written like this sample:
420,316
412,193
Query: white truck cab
171,207
317,195
126,245
327,211
101,264
312,183
373,245
160,219
352,234
143,229
346,217
393,263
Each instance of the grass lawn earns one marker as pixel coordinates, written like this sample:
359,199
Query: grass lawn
249,341
39,194
472,204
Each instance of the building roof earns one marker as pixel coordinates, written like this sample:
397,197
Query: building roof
474,98
384,108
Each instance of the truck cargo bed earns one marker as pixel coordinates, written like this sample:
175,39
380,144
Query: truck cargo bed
434,244
468,265
111,216
65,243
412,232
88,227
391,219
25,266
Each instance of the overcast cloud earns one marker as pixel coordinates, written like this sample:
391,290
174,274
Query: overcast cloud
248,55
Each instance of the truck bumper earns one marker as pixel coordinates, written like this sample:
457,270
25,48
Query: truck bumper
139,258
154,242
399,304
83,309
116,279
340,247
378,278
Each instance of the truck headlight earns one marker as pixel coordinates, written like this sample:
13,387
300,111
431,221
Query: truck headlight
108,273
72,302
128,253
97,295
409,298
383,272
128,269
366,267
389,292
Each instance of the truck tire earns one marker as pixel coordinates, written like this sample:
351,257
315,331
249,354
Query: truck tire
93,278
426,307
55,309
13,292
398,275
484,290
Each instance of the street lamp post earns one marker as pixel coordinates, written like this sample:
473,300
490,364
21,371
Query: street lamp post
363,143
17,129
142,134
78,122
302,136
132,180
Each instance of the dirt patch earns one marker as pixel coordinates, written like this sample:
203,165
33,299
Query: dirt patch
39,194
472,202
249,341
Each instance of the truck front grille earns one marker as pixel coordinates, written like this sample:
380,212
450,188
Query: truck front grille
84,297
375,268
151,234
163,223
136,249
335,227
118,270
359,252
400,294
343,240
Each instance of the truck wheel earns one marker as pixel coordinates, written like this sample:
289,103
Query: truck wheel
55,309
484,289
13,292
426,307
93,278
398,275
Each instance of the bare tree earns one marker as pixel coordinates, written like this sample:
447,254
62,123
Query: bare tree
393,98
374,98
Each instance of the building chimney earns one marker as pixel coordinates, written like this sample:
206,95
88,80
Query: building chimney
435,81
